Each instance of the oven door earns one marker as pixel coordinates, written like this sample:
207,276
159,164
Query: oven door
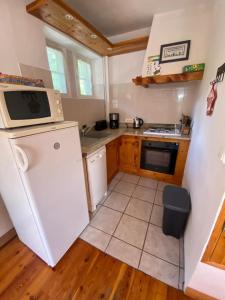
159,156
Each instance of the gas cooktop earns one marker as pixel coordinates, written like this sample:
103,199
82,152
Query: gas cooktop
162,131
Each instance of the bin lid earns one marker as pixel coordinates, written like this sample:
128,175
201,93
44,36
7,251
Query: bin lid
176,198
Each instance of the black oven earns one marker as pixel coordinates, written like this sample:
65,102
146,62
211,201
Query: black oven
159,156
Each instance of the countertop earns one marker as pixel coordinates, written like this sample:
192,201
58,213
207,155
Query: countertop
90,145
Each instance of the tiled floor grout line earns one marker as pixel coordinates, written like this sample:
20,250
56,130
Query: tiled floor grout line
137,184
179,266
141,249
178,278
146,232
131,196
117,225
115,238
169,262
124,212
134,197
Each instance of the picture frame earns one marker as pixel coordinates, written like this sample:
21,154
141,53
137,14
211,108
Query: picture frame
174,52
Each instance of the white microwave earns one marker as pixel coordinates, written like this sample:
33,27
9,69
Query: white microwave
25,106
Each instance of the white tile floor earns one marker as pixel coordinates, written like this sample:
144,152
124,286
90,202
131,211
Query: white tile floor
127,225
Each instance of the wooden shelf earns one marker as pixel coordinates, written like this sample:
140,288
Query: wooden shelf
160,79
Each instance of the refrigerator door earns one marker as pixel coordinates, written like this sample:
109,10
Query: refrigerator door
51,169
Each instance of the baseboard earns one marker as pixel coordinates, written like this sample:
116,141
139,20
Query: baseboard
195,294
7,237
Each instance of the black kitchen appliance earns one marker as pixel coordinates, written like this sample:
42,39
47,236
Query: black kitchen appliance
100,125
137,123
159,156
114,120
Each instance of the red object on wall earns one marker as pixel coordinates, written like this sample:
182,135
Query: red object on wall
211,99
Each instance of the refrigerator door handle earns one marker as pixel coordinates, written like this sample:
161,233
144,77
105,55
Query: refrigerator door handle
22,158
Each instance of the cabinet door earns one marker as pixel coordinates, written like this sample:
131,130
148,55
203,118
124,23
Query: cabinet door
215,250
218,255
129,154
112,157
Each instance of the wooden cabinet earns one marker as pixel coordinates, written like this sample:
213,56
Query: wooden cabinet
112,157
214,253
124,154
129,154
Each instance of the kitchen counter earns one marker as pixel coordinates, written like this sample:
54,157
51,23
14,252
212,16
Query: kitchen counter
90,145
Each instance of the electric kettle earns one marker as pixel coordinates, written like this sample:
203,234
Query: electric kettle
137,123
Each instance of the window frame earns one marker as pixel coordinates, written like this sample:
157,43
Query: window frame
77,57
54,46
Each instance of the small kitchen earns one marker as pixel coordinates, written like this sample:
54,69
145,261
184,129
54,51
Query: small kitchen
120,118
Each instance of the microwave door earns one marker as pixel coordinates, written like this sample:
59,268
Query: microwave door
25,105
29,107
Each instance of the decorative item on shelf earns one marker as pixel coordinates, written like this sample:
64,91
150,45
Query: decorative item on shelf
174,52
13,79
211,99
194,68
185,124
153,66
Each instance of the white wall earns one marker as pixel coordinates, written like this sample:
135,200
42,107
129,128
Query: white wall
124,67
189,24
22,41
156,104
205,174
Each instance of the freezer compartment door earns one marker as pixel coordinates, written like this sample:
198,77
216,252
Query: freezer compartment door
51,169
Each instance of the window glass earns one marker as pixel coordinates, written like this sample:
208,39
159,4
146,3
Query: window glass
84,78
56,65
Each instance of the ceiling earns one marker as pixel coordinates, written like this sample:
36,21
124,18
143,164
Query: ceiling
112,17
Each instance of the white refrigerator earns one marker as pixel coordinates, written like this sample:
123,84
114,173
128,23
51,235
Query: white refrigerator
42,185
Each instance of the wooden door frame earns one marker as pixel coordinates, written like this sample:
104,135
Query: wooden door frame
214,239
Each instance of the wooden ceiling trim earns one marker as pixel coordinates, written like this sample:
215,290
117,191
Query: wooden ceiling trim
129,46
53,12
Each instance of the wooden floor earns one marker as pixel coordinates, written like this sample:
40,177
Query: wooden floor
84,273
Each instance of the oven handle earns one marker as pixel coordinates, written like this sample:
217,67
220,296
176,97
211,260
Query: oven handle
157,148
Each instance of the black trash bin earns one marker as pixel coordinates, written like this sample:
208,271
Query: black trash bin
177,206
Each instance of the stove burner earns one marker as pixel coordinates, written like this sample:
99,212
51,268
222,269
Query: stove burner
162,131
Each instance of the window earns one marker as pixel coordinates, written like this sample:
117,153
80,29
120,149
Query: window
84,73
56,65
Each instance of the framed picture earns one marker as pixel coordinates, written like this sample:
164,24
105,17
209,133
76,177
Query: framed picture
174,52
